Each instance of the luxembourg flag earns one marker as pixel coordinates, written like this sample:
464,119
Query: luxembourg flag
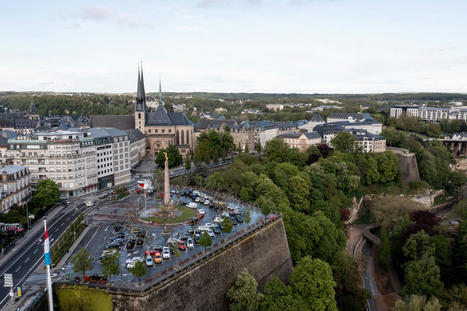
47,259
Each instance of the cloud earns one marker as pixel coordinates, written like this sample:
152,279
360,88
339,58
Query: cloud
190,27
96,13
211,3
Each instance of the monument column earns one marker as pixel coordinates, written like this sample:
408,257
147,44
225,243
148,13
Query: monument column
166,181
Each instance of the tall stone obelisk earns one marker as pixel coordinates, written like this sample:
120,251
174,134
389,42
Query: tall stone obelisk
166,182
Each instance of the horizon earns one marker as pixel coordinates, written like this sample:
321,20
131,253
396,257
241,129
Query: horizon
245,46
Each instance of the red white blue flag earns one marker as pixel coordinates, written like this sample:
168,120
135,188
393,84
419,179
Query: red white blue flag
47,259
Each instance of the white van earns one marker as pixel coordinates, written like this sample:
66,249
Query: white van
192,205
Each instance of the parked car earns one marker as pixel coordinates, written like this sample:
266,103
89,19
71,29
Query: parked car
200,215
113,245
221,226
239,218
210,232
120,235
197,199
217,230
197,238
209,225
225,214
149,261
141,234
130,263
166,253
189,243
201,211
217,219
118,228
120,241
207,202
139,242
130,244
157,257
192,205
181,245
234,220
90,204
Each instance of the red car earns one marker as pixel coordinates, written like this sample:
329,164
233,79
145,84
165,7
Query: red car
181,245
200,215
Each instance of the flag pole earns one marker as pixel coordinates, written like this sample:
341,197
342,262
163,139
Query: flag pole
48,262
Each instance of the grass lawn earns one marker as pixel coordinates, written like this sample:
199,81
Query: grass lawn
83,298
187,213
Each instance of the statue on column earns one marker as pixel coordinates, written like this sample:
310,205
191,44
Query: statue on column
167,200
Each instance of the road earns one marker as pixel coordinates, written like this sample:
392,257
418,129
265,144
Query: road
29,256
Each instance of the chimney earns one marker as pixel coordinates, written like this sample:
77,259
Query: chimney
4,176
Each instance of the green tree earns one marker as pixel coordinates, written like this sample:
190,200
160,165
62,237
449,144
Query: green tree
244,195
384,248
279,297
228,225
417,303
344,142
175,159
258,147
205,240
248,216
243,294
111,264
432,129
312,280
138,270
46,193
418,245
246,149
187,161
298,193
82,261
350,296
422,276
276,150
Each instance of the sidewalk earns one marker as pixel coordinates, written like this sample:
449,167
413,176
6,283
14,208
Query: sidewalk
70,251
36,231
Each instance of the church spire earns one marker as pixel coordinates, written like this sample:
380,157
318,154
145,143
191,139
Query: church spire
140,93
160,93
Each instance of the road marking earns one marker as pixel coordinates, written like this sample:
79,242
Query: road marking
35,251
106,228
62,224
28,259
16,271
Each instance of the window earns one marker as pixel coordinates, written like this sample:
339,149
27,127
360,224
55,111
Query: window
163,130
139,115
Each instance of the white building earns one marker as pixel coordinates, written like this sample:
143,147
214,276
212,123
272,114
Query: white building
361,121
430,114
137,146
15,186
301,141
66,157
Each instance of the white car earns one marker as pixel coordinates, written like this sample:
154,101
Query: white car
130,263
225,214
197,199
189,243
165,252
202,228
149,261
207,202
201,211
209,225
218,219
192,205
90,204
210,232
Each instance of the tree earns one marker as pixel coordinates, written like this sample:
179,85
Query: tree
279,297
417,303
258,147
418,245
384,248
187,161
138,270
276,150
243,294
248,216
205,240
175,159
46,193
344,142
422,276
350,296
111,264
82,261
228,225
298,193
312,280
246,148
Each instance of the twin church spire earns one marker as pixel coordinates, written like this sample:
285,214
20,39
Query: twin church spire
141,93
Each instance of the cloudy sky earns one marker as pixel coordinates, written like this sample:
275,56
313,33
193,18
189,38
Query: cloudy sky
300,46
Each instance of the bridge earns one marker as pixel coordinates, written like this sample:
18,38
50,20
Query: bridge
458,147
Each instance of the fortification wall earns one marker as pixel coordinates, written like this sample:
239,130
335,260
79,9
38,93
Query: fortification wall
265,254
407,164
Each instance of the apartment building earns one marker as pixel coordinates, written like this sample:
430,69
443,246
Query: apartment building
301,141
113,156
15,186
429,114
68,157
137,146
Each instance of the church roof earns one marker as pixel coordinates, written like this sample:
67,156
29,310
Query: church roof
122,122
158,117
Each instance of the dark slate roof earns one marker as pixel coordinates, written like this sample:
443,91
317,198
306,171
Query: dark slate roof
312,135
206,124
179,118
122,122
136,135
345,116
158,117
316,118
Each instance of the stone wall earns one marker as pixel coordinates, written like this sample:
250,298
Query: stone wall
265,254
407,164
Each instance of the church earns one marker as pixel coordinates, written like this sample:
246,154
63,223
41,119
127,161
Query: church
160,127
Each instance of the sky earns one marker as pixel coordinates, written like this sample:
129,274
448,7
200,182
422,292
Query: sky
273,46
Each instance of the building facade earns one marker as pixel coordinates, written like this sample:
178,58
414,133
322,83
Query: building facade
429,114
66,157
301,141
15,186
137,146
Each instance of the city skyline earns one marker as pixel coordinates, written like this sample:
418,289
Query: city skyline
289,46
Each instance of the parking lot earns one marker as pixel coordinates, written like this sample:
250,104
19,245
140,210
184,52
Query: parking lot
102,232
